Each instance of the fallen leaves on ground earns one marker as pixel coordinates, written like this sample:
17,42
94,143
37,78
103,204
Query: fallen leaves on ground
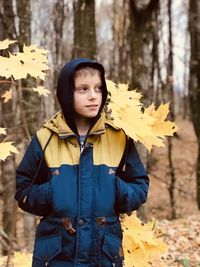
183,238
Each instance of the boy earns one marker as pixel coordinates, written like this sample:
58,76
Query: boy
79,173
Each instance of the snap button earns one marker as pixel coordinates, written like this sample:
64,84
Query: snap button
81,222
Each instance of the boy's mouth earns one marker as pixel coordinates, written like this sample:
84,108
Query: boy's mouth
92,106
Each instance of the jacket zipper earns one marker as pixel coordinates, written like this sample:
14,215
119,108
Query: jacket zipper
79,191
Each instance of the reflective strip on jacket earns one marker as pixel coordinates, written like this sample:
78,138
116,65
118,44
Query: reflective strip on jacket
80,195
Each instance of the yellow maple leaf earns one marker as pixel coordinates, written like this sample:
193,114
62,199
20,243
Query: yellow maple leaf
33,61
150,141
6,148
161,127
146,125
38,54
29,64
7,95
141,245
5,44
2,130
41,90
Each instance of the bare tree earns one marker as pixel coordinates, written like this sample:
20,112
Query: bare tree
194,81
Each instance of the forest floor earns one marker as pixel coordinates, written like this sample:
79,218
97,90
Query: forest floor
182,234
183,239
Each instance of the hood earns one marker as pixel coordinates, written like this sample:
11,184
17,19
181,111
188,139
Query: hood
65,89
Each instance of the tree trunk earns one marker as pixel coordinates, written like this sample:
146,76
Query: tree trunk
7,175
28,111
120,59
84,29
58,22
24,14
140,18
7,25
153,87
172,115
140,31
194,81
124,44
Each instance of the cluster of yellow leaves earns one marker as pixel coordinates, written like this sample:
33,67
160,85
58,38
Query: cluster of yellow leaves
20,259
141,243
32,61
146,125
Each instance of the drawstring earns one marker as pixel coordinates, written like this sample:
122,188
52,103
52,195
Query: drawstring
41,160
37,172
123,161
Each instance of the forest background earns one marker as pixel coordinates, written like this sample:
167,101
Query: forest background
151,45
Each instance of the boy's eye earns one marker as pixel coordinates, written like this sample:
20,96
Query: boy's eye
98,88
81,89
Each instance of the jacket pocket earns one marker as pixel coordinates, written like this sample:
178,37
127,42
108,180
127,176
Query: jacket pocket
112,248
47,248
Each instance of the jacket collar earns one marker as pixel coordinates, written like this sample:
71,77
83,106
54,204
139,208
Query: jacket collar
58,125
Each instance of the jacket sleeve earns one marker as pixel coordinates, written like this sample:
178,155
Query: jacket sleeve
132,181
33,188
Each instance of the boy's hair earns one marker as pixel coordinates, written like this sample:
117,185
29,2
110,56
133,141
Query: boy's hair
85,70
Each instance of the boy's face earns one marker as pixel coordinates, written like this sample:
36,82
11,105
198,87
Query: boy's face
87,95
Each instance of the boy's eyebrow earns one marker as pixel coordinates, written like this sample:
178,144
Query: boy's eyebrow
85,84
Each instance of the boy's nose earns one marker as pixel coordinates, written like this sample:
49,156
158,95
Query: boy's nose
92,93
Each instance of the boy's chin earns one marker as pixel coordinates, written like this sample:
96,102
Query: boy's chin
92,115
88,117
